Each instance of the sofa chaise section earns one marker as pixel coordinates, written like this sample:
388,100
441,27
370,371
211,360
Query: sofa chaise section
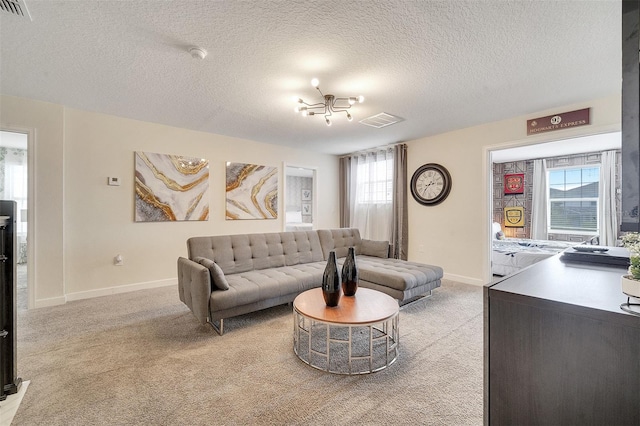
400,279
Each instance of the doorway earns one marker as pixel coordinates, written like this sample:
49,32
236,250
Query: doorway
300,196
513,247
14,184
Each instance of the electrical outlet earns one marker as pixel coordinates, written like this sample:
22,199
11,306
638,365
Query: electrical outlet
118,260
421,248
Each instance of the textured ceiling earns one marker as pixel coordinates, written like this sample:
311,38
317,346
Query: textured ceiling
440,65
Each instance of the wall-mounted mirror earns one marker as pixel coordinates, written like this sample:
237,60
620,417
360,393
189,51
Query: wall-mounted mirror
299,198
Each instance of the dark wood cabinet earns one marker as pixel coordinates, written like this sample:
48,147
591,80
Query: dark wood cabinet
9,381
558,348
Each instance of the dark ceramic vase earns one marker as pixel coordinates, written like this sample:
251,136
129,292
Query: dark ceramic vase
350,274
331,281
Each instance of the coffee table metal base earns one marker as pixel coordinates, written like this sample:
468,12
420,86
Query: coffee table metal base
346,348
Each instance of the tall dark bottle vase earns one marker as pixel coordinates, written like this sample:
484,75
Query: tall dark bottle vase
350,274
331,281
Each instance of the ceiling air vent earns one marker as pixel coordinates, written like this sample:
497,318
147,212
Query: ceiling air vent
381,120
15,7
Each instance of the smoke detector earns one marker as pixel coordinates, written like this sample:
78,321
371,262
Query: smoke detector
15,7
196,52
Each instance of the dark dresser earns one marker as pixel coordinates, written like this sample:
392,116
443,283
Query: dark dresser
9,380
558,350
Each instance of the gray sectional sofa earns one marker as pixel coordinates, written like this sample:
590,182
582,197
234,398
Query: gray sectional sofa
230,275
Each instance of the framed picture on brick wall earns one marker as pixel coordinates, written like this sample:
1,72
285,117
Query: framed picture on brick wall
514,183
514,217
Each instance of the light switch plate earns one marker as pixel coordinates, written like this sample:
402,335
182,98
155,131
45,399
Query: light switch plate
113,181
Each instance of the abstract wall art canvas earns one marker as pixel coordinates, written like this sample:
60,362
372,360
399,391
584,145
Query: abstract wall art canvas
171,188
252,191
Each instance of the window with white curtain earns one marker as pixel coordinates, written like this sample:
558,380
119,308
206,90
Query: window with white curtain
373,210
13,182
573,200
15,178
375,181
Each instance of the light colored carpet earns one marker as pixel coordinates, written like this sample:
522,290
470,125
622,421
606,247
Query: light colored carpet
22,296
142,358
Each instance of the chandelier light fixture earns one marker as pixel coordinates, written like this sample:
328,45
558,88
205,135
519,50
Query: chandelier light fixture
330,105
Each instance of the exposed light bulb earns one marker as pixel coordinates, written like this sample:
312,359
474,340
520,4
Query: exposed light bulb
329,104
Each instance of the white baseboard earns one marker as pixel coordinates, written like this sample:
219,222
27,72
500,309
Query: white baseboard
52,301
120,289
464,280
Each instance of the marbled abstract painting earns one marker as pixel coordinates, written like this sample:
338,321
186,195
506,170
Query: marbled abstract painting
252,191
171,188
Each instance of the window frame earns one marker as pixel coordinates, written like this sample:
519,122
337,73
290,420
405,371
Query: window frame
597,199
387,183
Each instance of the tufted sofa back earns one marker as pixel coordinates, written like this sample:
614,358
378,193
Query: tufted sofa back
339,240
246,252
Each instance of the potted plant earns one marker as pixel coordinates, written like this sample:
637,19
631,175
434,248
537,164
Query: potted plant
631,282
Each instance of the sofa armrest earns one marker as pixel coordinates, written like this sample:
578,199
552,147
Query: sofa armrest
194,287
375,248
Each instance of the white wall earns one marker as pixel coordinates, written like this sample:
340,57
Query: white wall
90,222
45,123
455,233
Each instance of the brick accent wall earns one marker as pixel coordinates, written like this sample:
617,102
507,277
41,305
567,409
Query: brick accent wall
500,200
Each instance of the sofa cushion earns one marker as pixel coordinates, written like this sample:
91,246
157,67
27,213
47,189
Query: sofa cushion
374,248
260,285
339,240
247,252
397,274
217,276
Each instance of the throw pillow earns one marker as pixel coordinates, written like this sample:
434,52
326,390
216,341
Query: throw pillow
375,248
217,276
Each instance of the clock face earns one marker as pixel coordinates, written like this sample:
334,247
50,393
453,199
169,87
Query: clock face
430,184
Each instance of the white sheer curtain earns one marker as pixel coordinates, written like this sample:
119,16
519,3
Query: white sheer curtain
539,201
13,171
13,186
607,216
372,210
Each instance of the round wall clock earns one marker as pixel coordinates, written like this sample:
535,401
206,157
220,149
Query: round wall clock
430,184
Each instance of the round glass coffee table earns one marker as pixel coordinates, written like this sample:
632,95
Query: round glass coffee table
358,336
